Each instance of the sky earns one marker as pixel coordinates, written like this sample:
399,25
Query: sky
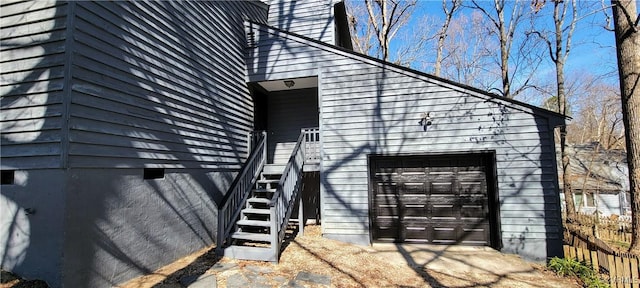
593,47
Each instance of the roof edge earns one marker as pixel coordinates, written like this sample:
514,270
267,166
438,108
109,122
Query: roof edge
541,110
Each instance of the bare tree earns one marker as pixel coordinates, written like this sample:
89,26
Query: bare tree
468,53
362,33
505,28
385,18
625,22
559,46
599,116
449,11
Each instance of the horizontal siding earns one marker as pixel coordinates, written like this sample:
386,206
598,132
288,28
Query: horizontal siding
160,84
369,108
309,18
381,115
32,67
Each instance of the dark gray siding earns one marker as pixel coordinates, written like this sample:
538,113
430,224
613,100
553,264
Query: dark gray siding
309,18
93,87
289,112
118,226
368,107
31,84
32,225
160,84
381,116
153,84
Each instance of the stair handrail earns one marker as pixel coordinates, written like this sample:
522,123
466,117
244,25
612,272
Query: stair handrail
286,195
234,199
311,145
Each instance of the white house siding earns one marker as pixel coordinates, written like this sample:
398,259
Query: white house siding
32,67
313,19
368,107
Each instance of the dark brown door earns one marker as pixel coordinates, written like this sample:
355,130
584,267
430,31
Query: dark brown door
431,199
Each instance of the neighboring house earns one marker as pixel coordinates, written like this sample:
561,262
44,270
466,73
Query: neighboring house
600,180
125,141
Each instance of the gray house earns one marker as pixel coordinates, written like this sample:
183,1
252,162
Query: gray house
127,141
600,180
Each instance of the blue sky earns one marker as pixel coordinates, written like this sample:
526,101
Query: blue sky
593,49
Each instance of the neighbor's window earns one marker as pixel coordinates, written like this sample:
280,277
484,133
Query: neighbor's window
585,200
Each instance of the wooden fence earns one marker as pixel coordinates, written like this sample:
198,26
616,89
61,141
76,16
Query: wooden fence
620,269
612,223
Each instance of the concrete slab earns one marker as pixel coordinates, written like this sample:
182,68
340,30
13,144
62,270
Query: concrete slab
313,278
204,281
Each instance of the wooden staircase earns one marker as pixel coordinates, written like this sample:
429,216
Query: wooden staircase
255,214
252,238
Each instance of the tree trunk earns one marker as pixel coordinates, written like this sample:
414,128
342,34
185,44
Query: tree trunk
559,59
448,14
625,18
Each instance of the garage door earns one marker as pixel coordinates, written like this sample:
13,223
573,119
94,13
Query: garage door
431,199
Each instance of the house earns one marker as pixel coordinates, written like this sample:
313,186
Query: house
127,141
599,180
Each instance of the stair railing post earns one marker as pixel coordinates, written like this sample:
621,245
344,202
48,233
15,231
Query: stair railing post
220,236
300,215
264,147
275,239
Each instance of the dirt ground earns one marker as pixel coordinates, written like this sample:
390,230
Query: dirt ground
380,265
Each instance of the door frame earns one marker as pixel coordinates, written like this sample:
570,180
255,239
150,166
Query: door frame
489,156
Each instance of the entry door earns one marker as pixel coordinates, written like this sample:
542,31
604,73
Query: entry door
431,199
289,111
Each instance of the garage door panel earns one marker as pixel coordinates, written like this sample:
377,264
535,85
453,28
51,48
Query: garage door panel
415,210
440,200
473,212
412,177
475,234
387,210
473,188
444,234
417,234
445,188
444,211
389,188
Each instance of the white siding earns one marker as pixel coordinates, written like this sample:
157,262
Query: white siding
31,84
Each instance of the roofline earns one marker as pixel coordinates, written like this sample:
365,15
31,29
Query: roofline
420,73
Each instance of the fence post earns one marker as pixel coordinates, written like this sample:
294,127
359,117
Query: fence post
612,271
635,278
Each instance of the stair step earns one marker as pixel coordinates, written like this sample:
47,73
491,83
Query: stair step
259,200
264,190
256,211
259,223
273,169
251,236
250,253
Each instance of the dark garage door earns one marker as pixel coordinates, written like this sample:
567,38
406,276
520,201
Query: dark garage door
431,199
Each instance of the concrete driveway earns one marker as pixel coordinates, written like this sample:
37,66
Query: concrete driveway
468,266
